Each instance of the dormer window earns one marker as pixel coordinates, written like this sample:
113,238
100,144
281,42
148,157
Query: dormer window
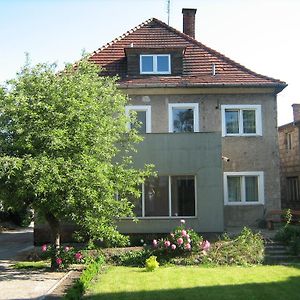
155,64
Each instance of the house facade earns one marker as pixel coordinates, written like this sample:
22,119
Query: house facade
196,106
289,148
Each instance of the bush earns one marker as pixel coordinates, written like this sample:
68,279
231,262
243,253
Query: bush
245,249
179,241
84,281
290,236
132,258
64,256
151,263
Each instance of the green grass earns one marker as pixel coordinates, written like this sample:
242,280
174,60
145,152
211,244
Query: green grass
32,265
209,283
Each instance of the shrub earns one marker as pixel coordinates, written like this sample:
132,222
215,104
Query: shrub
132,258
64,256
179,241
245,249
151,263
84,281
290,236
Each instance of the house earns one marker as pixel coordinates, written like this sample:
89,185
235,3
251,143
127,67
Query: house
196,105
289,150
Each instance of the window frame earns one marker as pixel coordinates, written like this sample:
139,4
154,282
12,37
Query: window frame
154,57
194,106
240,109
146,108
169,201
260,183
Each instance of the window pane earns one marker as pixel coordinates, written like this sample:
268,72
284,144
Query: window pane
249,121
293,189
183,120
232,121
141,120
137,202
147,63
157,196
251,183
162,63
234,188
183,195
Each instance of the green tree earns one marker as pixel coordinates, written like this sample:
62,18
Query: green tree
65,149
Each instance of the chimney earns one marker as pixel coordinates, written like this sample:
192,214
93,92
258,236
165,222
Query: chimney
296,112
189,21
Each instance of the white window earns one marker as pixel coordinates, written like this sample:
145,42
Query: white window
241,120
183,117
288,141
243,188
143,116
155,64
166,197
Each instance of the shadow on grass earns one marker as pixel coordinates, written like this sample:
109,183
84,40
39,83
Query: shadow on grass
282,290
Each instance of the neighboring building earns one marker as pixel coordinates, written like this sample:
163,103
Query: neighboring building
196,105
289,149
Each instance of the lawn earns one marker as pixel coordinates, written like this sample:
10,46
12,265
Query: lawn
209,283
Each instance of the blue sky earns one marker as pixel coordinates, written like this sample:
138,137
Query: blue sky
263,35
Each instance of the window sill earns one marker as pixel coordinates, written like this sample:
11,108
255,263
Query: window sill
162,218
243,204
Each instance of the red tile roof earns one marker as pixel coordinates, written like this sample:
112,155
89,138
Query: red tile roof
197,61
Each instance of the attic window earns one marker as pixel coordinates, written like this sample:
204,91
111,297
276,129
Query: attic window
155,64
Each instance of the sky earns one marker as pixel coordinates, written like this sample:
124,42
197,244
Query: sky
262,35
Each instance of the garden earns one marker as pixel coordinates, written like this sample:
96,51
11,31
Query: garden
181,265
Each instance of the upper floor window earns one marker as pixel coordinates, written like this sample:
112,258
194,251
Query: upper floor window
183,117
155,64
143,118
241,120
243,188
288,141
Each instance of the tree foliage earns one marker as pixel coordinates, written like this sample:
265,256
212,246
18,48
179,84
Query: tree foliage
65,148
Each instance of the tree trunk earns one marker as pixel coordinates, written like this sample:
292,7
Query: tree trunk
55,237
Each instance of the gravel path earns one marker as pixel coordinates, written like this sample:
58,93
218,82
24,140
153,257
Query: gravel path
22,284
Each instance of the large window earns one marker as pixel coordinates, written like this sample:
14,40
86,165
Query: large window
143,118
155,64
167,196
183,117
293,194
243,188
238,120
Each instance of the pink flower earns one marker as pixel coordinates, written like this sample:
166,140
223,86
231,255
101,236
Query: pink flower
167,244
205,245
182,221
173,246
154,243
187,246
59,261
44,248
78,256
180,241
67,248
183,232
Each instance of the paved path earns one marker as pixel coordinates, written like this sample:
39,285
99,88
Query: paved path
22,284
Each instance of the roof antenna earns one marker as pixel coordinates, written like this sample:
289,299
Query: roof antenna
168,10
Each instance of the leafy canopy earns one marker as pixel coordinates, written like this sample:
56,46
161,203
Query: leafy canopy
65,147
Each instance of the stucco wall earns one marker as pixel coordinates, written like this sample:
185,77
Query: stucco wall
196,154
245,153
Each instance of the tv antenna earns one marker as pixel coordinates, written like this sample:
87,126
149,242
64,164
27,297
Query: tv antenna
168,10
